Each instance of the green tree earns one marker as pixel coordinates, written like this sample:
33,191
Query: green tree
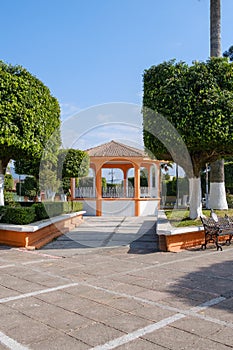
228,166
72,163
9,182
29,187
29,114
217,196
229,53
188,116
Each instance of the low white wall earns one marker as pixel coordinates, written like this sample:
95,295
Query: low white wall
89,207
148,207
118,208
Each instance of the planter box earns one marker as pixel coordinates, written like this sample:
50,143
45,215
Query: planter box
176,239
37,234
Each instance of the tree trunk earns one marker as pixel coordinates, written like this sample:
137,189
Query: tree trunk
50,195
3,165
215,28
195,205
1,189
217,197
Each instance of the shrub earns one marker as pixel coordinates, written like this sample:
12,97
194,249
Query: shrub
9,198
49,209
77,206
230,200
41,213
36,212
8,182
18,215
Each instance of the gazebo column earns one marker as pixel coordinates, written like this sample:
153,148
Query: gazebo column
149,178
125,171
98,183
137,189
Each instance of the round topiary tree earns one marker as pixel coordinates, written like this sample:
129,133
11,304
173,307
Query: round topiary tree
29,114
188,116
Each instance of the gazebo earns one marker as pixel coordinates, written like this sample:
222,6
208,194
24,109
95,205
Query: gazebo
127,198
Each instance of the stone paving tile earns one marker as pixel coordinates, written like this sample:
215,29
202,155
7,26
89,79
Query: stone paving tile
83,316
153,295
219,313
140,344
179,302
223,336
197,326
6,292
176,339
99,313
120,287
2,347
49,315
124,304
29,331
39,277
96,334
151,313
61,342
83,305
10,318
94,294
18,284
173,338
128,323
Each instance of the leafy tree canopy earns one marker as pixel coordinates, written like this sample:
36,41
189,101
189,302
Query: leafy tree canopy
73,163
229,53
191,106
29,114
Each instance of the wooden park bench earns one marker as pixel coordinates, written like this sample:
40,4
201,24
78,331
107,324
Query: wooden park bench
214,227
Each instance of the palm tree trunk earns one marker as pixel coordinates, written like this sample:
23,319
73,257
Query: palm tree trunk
215,28
217,197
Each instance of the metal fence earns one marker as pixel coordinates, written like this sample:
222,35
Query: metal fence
114,192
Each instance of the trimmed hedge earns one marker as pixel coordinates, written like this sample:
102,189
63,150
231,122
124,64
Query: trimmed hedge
37,212
18,215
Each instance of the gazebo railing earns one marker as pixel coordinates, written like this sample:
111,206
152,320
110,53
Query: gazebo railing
85,192
114,192
117,192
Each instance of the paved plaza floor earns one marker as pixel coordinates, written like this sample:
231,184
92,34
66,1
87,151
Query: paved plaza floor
117,293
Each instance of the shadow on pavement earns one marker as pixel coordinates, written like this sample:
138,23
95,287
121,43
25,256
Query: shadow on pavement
204,284
147,243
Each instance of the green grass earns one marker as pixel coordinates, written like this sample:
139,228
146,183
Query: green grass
180,217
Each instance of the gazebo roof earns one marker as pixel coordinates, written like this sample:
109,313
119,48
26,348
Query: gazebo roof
116,149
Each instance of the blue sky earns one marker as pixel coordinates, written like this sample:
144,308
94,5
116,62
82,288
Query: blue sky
94,52
90,52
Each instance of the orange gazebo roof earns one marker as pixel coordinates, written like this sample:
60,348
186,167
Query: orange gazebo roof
116,149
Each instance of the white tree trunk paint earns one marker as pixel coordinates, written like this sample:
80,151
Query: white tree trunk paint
195,205
1,190
50,195
217,196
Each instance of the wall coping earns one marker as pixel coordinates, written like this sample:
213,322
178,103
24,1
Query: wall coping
165,228
35,226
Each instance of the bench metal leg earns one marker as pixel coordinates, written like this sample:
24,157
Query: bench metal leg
211,237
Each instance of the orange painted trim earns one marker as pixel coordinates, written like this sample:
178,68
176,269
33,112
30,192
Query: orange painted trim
40,237
117,199
99,207
179,242
137,207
